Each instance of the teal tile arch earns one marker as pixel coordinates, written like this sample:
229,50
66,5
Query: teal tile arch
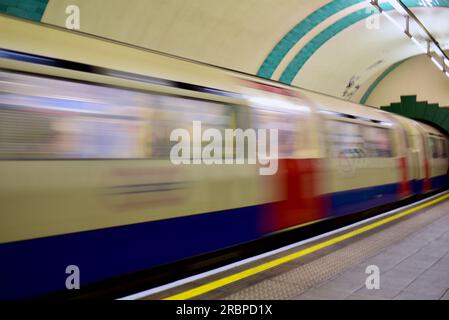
298,32
27,9
313,45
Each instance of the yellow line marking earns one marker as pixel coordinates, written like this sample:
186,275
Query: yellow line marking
271,264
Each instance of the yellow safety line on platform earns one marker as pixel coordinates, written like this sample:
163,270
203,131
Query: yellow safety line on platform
271,264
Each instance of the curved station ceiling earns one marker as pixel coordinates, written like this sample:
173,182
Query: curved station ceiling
345,48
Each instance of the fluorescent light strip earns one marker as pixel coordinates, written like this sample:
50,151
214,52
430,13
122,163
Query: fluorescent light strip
419,44
398,7
403,12
435,61
393,21
423,49
439,51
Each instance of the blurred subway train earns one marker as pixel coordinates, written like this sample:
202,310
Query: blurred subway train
85,174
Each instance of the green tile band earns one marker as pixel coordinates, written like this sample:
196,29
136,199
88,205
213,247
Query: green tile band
27,9
298,32
313,45
421,110
301,29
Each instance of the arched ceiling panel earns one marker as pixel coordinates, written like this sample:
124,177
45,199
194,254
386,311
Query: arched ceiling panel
361,10
322,45
234,34
338,69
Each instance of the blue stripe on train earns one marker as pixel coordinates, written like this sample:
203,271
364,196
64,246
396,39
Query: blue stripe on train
417,186
439,182
35,267
435,183
351,201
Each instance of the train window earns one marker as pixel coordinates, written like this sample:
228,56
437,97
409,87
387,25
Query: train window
170,113
44,118
438,147
285,122
434,148
345,139
377,142
445,151
48,118
351,140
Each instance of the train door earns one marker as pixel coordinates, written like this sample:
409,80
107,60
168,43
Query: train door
404,155
418,159
426,159
415,156
297,179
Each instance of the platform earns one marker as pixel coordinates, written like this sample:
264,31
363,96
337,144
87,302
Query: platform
410,247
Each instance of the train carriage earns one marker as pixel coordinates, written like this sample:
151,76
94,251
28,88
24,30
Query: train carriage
86,176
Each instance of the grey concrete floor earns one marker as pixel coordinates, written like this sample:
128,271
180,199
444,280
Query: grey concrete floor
411,256
416,267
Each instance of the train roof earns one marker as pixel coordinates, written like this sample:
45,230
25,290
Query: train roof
328,103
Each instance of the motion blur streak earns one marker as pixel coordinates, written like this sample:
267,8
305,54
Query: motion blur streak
86,178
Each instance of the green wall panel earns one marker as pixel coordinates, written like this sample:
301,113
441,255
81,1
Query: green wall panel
27,9
421,110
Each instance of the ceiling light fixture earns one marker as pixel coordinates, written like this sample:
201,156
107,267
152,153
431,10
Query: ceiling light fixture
409,16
